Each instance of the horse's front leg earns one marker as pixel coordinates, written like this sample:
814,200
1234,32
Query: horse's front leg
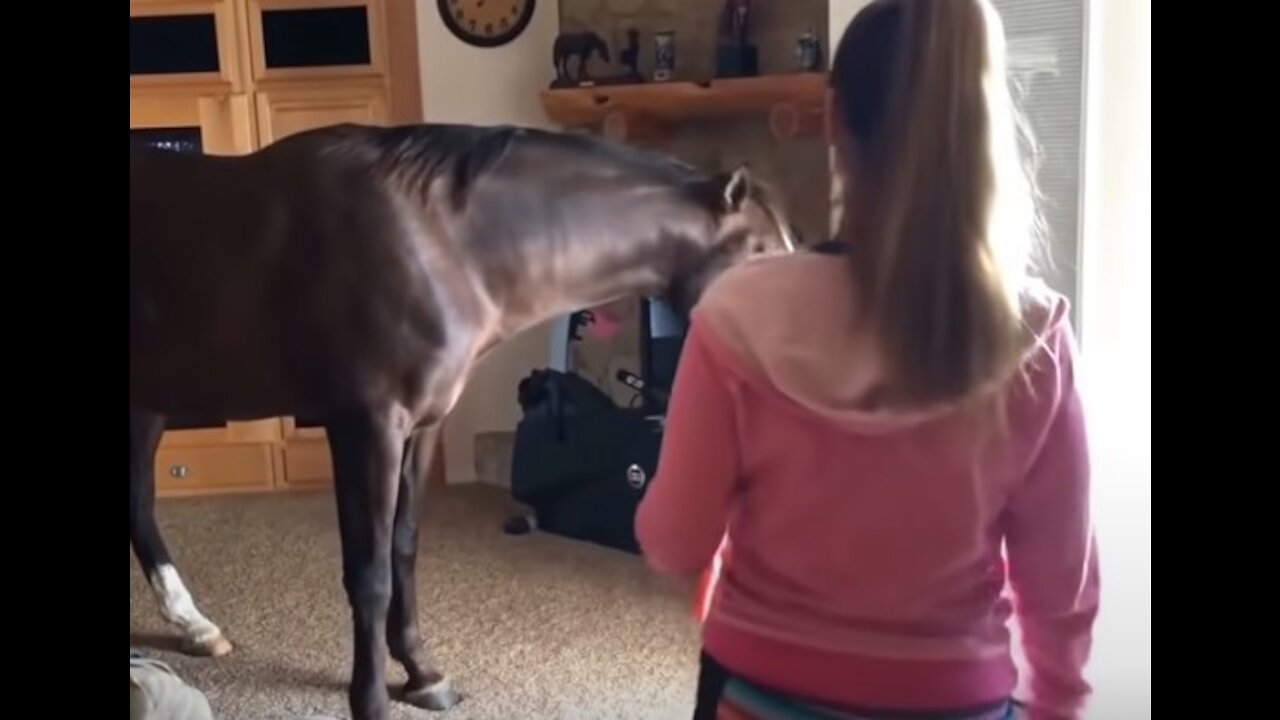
367,448
427,688
199,635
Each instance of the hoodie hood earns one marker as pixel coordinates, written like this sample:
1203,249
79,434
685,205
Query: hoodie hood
788,325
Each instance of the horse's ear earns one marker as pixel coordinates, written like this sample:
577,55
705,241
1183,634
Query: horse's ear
724,192
737,188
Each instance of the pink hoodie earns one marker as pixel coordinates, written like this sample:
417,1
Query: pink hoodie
866,565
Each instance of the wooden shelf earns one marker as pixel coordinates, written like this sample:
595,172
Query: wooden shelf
792,103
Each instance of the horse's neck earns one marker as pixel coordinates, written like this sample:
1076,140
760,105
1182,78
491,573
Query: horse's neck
573,294
609,237
588,274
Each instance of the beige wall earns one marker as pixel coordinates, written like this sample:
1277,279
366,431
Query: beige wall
839,13
1115,337
490,86
485,86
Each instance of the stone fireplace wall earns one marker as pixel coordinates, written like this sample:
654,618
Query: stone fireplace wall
796,167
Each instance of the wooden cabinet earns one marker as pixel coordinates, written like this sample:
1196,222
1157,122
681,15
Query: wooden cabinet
235,457
287,110
228,77
205,469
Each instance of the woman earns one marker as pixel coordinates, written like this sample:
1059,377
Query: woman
886,435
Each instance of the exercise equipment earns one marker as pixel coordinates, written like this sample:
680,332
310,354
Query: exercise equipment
581,462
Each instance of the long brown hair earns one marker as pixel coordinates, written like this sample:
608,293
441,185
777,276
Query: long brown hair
939,208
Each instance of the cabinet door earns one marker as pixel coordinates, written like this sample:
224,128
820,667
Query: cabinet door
198,456
184,470
287,110
189,43
308,39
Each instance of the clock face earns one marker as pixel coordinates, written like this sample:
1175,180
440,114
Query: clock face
486,23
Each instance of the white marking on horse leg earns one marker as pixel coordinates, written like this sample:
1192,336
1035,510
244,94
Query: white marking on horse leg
178,607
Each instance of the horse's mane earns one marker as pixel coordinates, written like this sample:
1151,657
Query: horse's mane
416,155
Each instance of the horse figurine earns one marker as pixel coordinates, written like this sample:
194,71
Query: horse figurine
582,45
356,275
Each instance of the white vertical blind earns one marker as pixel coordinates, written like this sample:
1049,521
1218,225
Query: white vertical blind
1046,51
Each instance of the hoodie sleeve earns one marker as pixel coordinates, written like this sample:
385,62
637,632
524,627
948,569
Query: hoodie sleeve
1053,564
682,518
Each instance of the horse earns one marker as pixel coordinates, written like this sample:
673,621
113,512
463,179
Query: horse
582,45
355,275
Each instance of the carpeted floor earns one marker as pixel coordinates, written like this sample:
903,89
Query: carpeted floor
533,627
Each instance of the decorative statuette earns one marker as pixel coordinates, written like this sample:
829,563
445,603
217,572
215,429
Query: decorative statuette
664,55
808,52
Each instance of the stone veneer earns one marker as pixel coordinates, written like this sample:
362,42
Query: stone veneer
797,167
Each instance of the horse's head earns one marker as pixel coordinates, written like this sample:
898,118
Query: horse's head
746,223
601,47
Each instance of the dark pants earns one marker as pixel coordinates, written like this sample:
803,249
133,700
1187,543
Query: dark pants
712,678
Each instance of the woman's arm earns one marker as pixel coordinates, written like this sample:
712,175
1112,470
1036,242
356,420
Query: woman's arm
682,518
1053,561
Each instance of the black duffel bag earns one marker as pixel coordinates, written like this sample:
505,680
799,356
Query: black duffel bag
580,461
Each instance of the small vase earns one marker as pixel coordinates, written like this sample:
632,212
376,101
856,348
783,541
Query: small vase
664,55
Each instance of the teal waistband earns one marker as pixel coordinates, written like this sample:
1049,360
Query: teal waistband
761,704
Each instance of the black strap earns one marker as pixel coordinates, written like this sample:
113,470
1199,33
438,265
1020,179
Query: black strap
712,677
832,247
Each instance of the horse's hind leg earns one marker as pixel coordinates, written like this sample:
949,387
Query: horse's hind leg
368,450
199,636
427,688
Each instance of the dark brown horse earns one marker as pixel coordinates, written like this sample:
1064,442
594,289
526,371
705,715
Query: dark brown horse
355,275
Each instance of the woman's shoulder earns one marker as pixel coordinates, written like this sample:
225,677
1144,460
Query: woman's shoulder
796,279
1046,313
787,324
772,298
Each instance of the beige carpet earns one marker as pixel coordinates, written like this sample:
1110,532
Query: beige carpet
529,627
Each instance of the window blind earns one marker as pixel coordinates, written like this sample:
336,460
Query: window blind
1046,54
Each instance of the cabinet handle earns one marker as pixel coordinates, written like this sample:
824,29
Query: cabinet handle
178,471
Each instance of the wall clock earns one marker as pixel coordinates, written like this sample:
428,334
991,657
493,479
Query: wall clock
486,23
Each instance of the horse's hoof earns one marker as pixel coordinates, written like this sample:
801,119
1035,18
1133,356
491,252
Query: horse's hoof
214,647
438,695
